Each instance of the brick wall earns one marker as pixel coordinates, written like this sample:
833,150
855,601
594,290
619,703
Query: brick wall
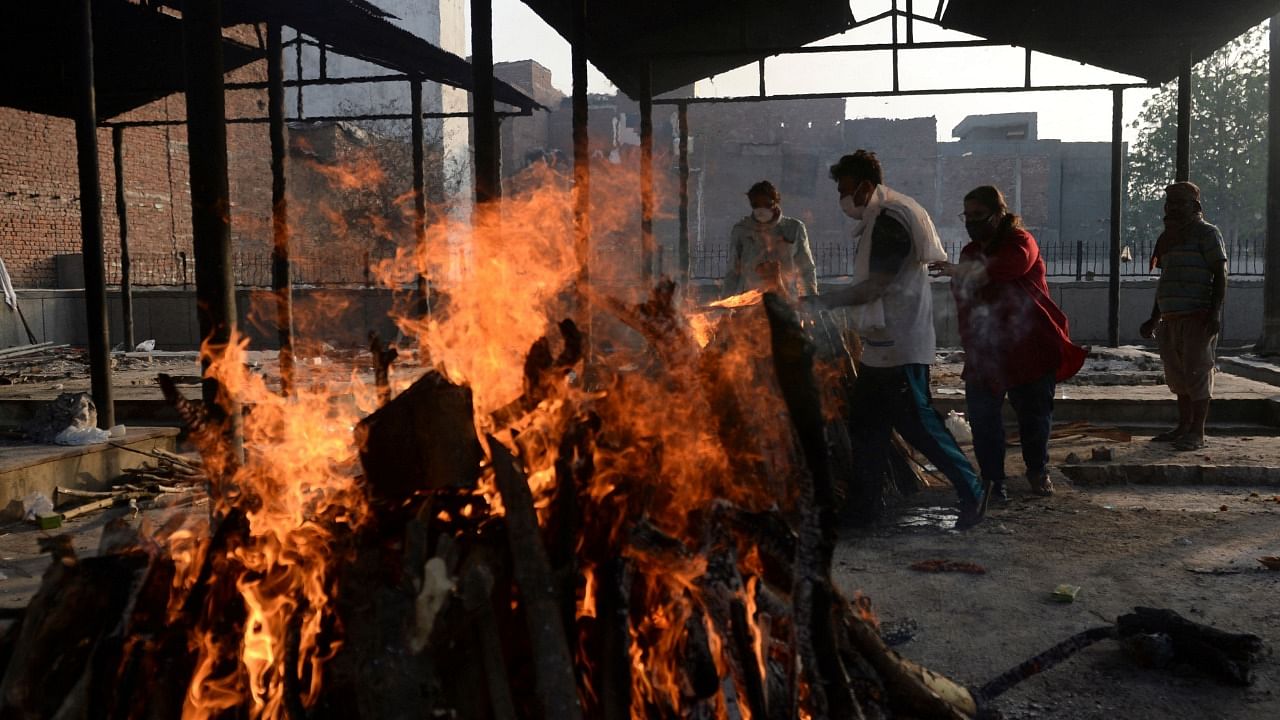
40,210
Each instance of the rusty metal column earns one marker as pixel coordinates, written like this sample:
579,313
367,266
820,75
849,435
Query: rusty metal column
648,248
95,280
210,199
1183,163
1270,341
581,143
1117,197
682,250
281,283
419,192
122,218
487,144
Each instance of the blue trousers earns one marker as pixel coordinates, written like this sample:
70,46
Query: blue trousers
1033,404
897,398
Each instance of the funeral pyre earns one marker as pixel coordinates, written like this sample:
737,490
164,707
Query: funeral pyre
626,511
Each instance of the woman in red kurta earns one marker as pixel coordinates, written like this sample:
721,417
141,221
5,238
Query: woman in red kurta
1015,337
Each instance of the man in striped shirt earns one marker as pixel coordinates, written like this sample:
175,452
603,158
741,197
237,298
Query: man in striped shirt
1187,315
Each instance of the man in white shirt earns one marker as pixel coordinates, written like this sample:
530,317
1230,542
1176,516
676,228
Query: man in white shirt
893,312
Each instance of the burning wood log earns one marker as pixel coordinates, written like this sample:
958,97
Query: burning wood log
383,356
557,689
423,439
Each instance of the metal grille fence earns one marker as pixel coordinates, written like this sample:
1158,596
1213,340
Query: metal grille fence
1077,260
252,269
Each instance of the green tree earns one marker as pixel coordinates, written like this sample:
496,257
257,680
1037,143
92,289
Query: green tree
1228,148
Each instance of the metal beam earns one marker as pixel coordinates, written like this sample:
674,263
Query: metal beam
899,93
1183,162
1117,198
310,119
648,247
95,281
281,284
682,250
486,143
419,190
1269,343
211,205
122,218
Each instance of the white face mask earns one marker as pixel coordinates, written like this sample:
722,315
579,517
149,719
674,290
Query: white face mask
850,208
762,215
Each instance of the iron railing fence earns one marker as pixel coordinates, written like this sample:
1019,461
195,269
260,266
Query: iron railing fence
1070,260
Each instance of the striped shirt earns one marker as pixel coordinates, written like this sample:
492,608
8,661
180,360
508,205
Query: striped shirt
1186,269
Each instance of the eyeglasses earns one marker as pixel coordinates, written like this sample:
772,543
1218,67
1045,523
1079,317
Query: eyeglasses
964,218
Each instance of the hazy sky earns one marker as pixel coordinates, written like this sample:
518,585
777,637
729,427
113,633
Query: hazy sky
1075,115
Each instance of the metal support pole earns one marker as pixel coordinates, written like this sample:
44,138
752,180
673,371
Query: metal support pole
1117,191
95,281
763,92
1270,341
211,203
419,189
911,23
682,251
281,283
487,143
582,174
648,247
893,17
581,143
122,217
1183,169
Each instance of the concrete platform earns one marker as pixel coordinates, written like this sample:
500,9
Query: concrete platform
41,468
1252,367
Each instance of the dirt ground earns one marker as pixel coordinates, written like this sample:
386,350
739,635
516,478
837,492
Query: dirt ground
1192,550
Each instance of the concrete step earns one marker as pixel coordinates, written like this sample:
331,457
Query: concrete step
1171,474
25,469
1252,367
1123,412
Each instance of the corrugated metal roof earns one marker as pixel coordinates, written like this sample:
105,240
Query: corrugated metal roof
360,29
137,56
687,41
138,49
678,42
1145,38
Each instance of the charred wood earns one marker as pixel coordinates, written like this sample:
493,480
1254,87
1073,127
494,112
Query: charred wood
556,687
1227,656
477,591
423,439
747,662
383,356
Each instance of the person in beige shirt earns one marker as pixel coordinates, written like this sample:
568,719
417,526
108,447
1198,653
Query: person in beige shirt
767,248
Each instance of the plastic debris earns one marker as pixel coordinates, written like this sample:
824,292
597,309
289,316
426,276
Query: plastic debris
75,435
959,427
34,504
1065,593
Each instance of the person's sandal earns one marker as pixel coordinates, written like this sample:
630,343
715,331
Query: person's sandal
1187,443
